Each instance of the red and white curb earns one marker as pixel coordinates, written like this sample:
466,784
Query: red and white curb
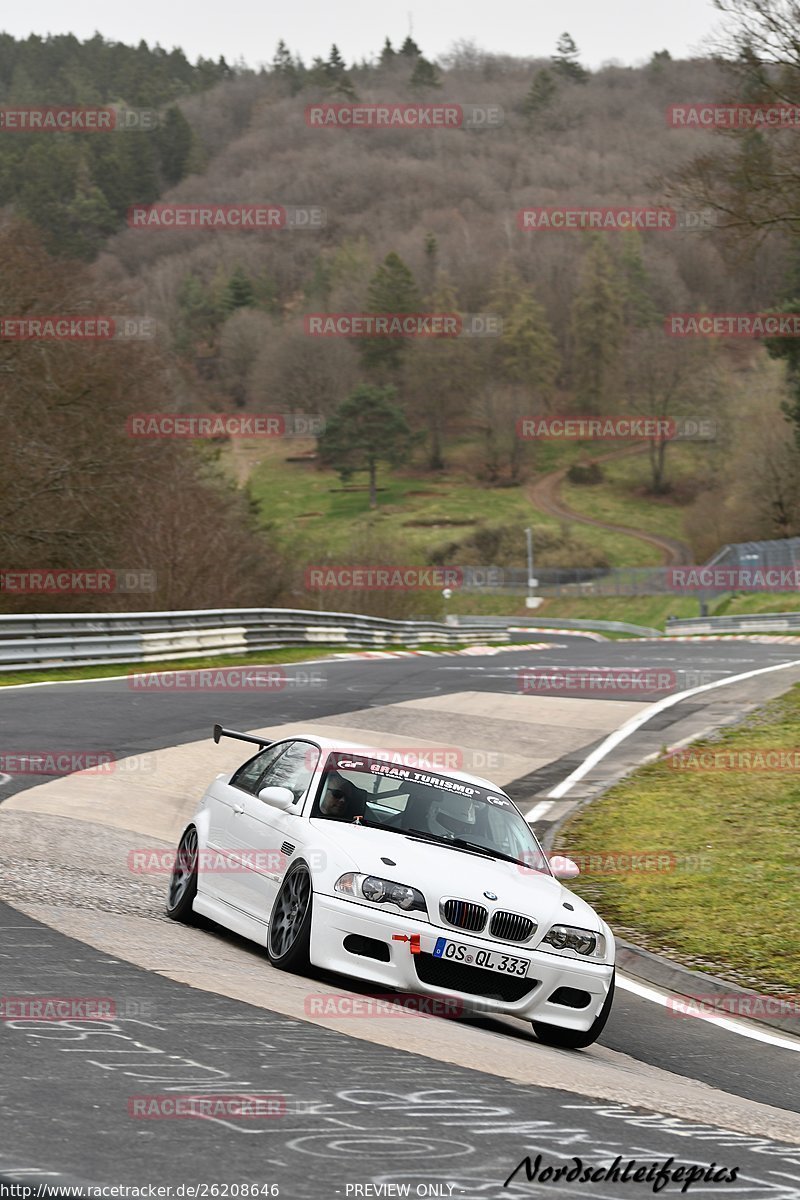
482,650
769,638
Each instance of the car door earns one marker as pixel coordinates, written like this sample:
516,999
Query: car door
227,804
267,838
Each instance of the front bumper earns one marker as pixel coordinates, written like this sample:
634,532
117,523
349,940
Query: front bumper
335,919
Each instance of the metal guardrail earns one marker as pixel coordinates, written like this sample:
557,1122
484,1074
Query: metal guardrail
747,623
50,640
562,623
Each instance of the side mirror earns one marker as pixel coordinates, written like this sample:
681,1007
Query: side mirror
564,868
277,797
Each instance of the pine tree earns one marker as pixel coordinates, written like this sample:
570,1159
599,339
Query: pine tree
282,59
528,349
367,428
431,259
641,310
439,376
336,63
388,54
597,329
565,61
659,60
239,292
127,173
318,288
410,49
88,219
506,290
288,69
541,95
392,289
425,75
174,140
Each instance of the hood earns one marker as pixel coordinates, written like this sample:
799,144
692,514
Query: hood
442,873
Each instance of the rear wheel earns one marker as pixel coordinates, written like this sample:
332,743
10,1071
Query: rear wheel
183,881
289,936
575,1039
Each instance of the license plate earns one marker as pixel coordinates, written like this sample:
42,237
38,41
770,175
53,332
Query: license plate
489,960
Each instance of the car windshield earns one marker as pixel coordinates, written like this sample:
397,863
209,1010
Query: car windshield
426,805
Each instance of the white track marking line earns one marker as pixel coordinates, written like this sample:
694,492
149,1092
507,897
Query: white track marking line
732,1026
539,810
624,731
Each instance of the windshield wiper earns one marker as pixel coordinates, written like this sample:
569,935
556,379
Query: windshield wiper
420,835
462,844
494,853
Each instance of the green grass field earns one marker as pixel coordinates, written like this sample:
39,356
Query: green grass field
421,512
622,498
731,906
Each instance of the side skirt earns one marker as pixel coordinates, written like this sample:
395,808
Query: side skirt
232,918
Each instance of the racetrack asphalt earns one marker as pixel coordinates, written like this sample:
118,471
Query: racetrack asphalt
382,1137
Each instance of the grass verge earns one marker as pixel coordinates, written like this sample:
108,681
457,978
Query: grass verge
731,907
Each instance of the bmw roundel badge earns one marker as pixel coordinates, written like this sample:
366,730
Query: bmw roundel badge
490,895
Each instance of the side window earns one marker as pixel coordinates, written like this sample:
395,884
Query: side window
247,777
293,769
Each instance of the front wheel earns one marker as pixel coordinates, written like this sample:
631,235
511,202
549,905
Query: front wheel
183,881
289,936
576,1039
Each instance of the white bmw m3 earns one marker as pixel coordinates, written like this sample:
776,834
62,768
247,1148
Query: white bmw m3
430,883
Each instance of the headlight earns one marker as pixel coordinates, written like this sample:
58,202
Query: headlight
380,891
582,941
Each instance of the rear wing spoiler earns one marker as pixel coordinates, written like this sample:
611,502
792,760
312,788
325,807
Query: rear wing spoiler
219,732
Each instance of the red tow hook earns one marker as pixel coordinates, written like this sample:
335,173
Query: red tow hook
413,938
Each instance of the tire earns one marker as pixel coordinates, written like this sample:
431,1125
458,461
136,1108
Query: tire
289,933
576,1039
183,881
